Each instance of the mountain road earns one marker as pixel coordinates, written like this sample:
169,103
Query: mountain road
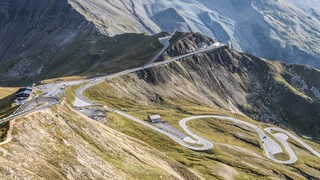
53,91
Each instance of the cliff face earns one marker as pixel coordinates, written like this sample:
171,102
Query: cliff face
61,144
264,90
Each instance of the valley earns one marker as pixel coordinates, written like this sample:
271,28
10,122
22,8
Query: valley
272,145
157,89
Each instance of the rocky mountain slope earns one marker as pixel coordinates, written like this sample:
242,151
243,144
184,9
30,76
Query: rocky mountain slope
227,83
48,39
61,144
267,91
277,30
57,38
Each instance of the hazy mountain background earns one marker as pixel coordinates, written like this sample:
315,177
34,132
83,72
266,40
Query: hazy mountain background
283,30
47,39
43,39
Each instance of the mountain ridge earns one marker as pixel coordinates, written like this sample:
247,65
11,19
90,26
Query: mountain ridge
76,41
36,53
274,30
45,40
270,91
58,143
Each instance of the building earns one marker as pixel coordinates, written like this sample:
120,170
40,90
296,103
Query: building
23,93
154,118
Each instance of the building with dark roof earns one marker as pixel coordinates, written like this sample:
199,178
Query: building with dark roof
154,118
23,93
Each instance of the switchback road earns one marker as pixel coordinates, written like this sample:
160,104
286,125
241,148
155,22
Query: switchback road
53,91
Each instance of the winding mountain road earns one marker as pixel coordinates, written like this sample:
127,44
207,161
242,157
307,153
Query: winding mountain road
165,41
268,144
206,145
32,106
53,91
282,131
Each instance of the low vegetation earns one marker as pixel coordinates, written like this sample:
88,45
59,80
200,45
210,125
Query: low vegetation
91,54
4,127
59,79
5,91
231,142
7,105
65,144
70,93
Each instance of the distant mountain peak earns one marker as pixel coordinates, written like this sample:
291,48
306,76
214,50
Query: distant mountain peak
282,30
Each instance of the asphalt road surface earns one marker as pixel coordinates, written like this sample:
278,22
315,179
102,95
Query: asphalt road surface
53,91
203,146
269,145
165,41
284,132
32,106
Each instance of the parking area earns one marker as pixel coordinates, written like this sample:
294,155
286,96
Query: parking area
170,129
93,113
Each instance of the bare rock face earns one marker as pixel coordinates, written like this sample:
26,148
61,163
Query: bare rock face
61,144
184,43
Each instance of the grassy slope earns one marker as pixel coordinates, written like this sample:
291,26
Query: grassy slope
66,145
299,108
91,53
53,40
4,91
6,108
252,159
4,127
106,54
70,93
